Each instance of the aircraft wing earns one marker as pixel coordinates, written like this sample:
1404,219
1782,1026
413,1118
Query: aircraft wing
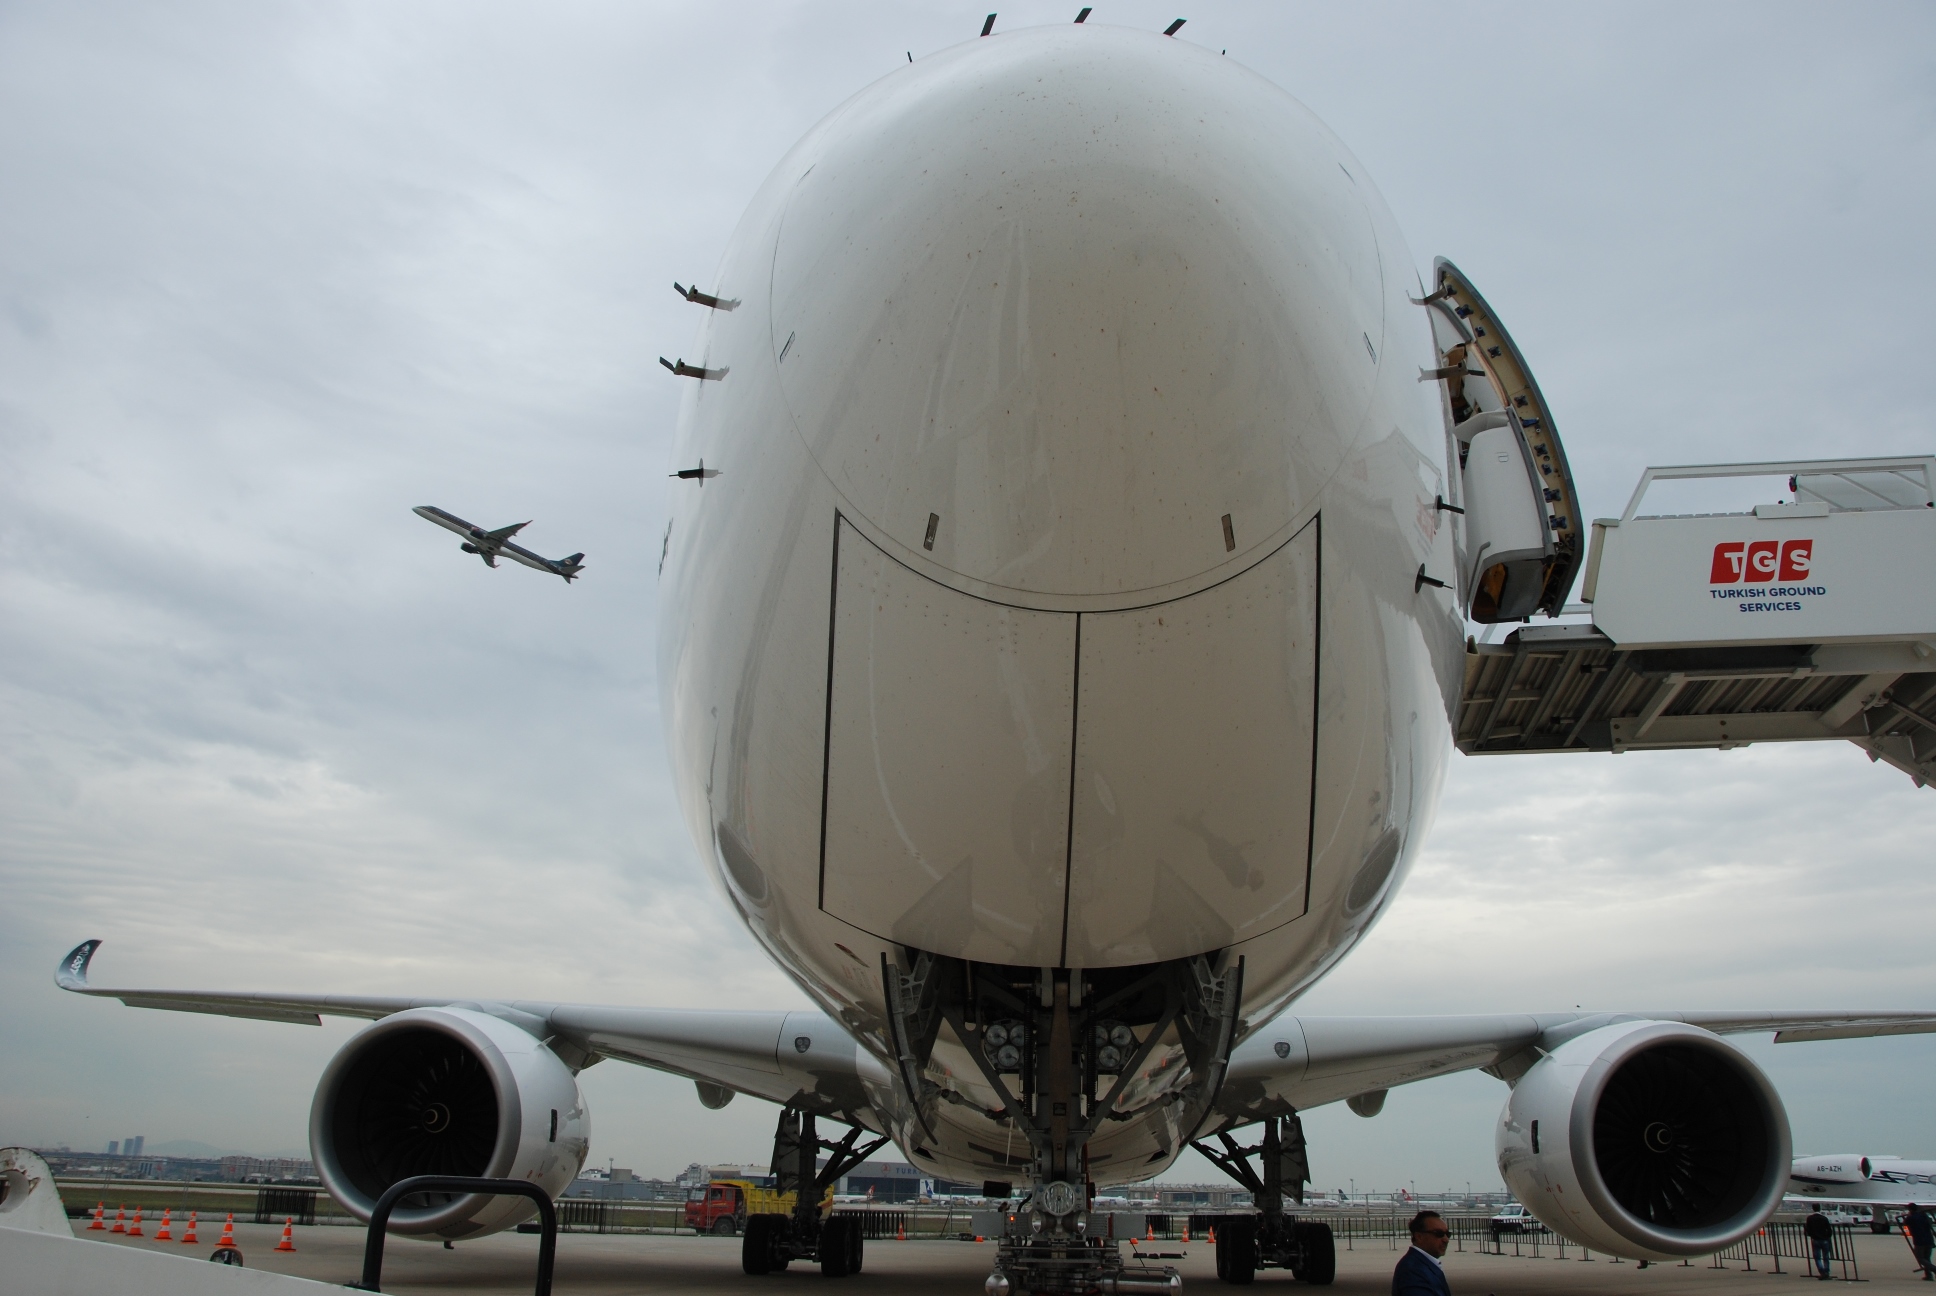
1292,1063
1303,1062
757,1053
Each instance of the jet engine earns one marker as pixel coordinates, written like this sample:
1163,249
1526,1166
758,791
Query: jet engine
1646,1139
449,1091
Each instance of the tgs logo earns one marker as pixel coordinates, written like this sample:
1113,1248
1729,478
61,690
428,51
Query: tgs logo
1756,561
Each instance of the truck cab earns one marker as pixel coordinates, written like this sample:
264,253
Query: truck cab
718,1207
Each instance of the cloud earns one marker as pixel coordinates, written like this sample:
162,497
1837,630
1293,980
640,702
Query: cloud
270,277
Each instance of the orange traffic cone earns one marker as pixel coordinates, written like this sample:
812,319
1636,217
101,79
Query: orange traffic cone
1213,1235
227,1241
288,1242
99,1212
1186,1232
120,1217
162,1234
900,1234
134,1225
188,1235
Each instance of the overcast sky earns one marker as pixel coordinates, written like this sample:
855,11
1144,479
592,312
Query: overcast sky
272,274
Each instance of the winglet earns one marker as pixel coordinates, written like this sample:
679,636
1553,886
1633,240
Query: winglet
72,972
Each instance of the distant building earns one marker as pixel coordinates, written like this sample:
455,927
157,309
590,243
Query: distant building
247,1169
132,1147
114,1147
896,1181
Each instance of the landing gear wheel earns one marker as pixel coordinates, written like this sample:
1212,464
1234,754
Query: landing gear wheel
1320,1254
840,1246
1237,1250
759,1250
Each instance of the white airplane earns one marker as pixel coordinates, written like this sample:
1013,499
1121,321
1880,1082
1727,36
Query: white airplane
490,545
1058,676
1870,1180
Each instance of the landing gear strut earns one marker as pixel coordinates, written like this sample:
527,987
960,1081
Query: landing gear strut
1059,1046
1270,1239
773,1242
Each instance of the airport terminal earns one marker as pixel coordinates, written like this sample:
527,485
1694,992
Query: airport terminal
1090,549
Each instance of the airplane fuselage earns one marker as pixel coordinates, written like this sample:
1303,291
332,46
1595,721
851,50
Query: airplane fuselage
1057,604
1852,1177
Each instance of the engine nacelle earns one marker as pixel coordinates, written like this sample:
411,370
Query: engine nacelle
1646,1139
446,1091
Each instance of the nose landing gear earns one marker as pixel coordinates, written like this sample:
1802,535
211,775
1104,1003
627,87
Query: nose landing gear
1059,1048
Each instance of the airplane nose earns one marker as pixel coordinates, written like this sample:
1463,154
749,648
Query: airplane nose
1078,310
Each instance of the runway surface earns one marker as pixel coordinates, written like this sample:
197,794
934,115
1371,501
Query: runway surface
661,1265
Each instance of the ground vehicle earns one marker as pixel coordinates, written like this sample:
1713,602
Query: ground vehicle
722,1206
1516,1219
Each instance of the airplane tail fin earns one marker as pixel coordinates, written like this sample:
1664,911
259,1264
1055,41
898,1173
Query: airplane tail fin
571,567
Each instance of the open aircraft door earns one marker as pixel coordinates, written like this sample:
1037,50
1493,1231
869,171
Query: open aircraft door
1520,547
1799,620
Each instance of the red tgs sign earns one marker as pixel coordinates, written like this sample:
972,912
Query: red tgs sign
1752,562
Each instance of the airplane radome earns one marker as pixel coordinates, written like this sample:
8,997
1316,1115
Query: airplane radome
1155,684
1061,637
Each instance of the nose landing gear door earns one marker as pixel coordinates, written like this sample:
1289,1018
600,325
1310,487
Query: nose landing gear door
1520,545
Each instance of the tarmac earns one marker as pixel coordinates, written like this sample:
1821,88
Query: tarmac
669,1265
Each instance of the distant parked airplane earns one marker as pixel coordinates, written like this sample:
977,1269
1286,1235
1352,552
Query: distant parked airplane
489,544
1852,1177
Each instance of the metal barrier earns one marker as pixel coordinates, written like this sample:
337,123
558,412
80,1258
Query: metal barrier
1535,1243
274,1205
878,1224
583,1217
1781,1240
1391,1229
380,1220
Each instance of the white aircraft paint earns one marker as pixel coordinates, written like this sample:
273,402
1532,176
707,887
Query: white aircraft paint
1077,294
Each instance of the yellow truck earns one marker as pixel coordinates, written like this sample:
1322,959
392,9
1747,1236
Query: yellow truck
722,1206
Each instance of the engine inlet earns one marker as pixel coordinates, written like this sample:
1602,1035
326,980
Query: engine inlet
1681,1138
414,1102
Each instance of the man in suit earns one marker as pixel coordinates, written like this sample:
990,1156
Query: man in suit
1421,1271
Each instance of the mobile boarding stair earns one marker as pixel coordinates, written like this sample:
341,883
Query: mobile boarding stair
1809,618
1797,621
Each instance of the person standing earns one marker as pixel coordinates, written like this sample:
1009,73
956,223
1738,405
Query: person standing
1917,1226
1421,1270
1821,1241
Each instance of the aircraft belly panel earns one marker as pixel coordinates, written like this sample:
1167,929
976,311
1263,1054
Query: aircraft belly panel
1193,766
950,723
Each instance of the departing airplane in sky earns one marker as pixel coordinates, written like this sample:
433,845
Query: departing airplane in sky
489,544
1059,675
